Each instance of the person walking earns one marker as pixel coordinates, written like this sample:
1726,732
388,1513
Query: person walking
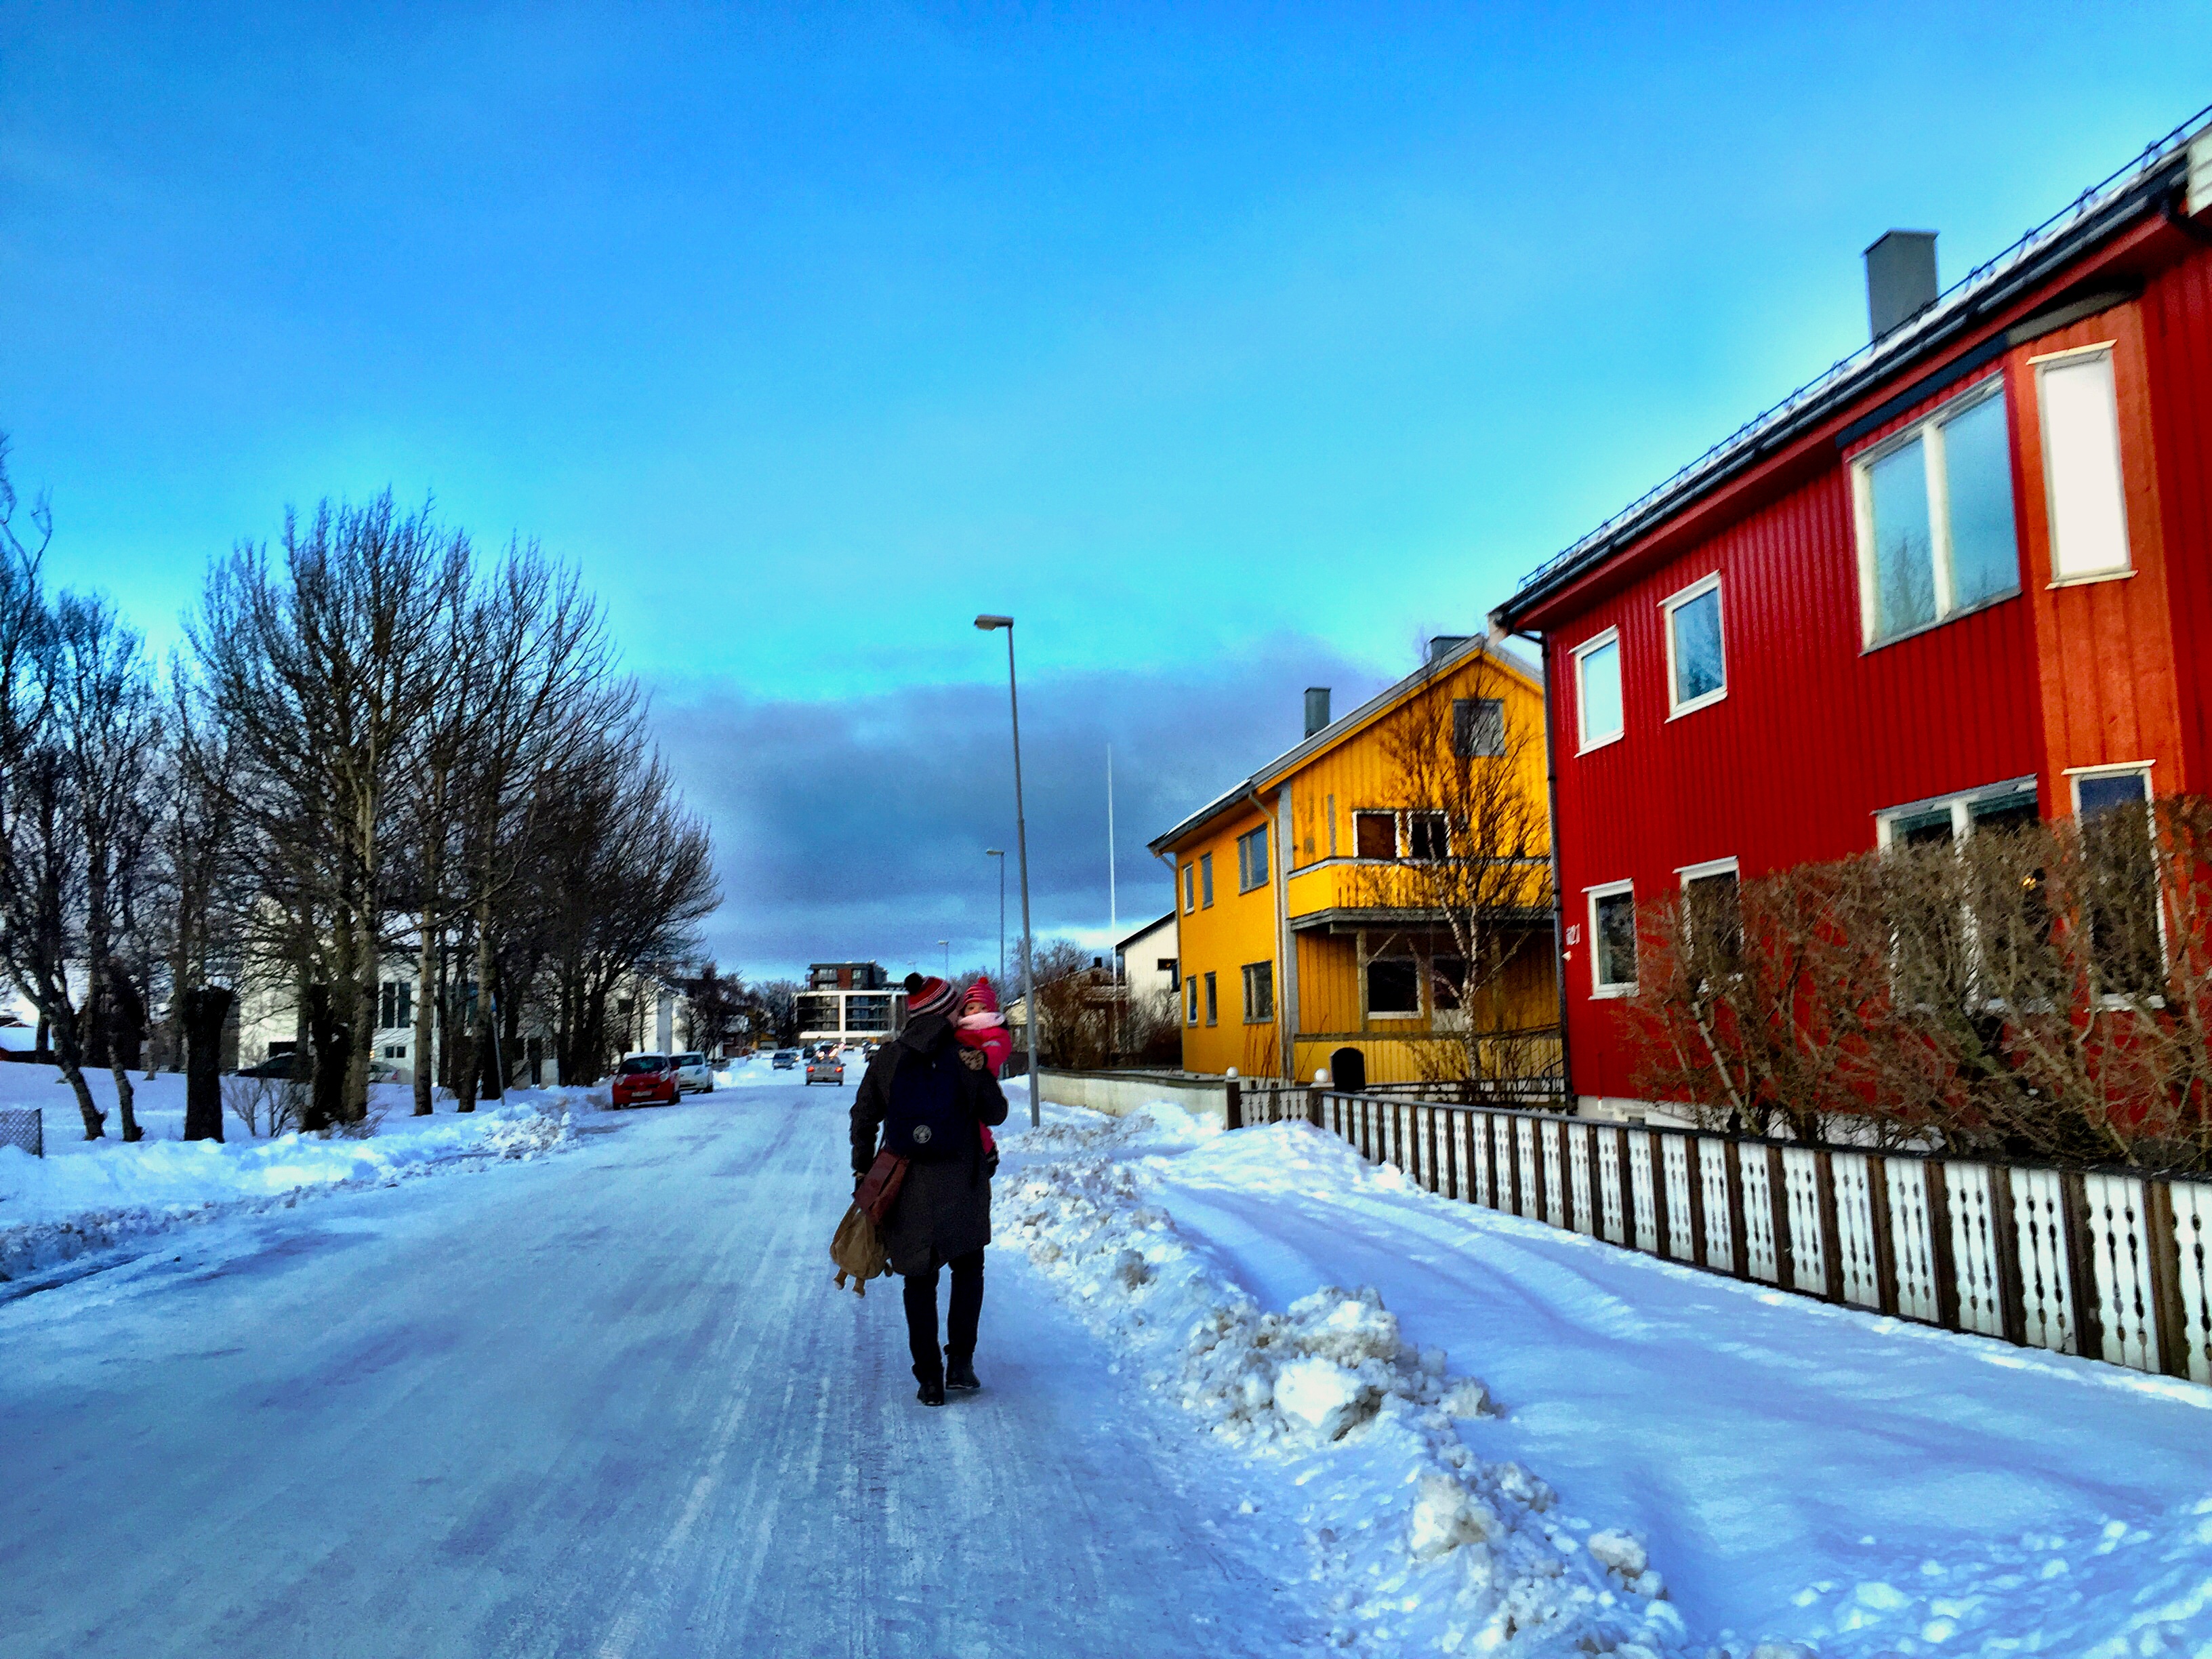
928,1098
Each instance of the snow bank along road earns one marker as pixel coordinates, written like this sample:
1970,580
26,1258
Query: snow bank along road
1816,1480
604,1402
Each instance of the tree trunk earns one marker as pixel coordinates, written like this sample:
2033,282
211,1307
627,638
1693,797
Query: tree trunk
201,1019
490,1060
69,1056
465,1063
332,1046
125,1016
426,964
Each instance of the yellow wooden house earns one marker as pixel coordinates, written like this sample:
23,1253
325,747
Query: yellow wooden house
1376,902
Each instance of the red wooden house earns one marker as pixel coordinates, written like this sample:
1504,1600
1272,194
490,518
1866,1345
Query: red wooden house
1965,573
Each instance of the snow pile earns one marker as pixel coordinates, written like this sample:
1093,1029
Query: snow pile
1161,1125
1416,1541
52,1209
1809,1481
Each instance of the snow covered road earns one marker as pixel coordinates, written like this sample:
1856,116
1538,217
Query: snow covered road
602,1403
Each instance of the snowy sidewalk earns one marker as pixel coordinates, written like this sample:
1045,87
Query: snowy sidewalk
1797,1473
605,1403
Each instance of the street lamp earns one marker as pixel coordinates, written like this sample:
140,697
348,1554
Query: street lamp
999,853
991,624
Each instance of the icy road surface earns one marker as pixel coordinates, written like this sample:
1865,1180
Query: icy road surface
605,1403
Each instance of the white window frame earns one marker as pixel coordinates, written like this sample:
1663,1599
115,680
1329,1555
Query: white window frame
1251,1016
1960,806
2074,775
1590,897
1929,428
1190,888
1405,832
1190,999
1421,997
1397,830
2126,567
1597,642
1687,873
1245,865
1697,590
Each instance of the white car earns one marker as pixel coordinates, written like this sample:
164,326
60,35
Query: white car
693,1074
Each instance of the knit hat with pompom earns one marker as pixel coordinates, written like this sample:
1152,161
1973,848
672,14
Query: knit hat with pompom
931,996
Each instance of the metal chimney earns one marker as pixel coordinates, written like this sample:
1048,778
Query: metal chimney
1901,273
1316,708
1442,645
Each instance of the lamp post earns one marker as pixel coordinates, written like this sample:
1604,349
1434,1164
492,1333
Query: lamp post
999,853
990,624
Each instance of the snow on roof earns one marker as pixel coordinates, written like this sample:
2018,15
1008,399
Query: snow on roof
2099,211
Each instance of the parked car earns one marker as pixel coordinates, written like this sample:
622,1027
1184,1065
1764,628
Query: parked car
693,1073
826,1068
646,1080
279,1065
786,1059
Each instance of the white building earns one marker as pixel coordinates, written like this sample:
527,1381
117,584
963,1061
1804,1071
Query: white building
269,1024
1151,960
849,1002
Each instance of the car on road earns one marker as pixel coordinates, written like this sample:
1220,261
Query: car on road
826,1068
786,1059
694,1073
646,1080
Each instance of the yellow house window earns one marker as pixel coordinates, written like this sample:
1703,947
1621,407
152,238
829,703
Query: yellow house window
1252,860
1259,992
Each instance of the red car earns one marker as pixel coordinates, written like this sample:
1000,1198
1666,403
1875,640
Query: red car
646,1080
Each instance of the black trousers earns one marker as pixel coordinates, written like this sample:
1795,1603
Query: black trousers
961,1318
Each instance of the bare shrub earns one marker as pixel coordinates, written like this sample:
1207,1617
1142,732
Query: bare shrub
2043,991
267,1106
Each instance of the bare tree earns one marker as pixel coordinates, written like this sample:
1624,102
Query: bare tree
1470,880
2043,991
545,693
629,875
323,671
714,1006
1763,1008
107,726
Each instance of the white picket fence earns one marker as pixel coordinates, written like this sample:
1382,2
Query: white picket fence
2108,1263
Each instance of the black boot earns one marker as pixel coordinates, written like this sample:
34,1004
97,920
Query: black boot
960,1373
931,1391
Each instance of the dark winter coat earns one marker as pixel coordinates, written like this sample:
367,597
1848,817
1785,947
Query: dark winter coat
944,1210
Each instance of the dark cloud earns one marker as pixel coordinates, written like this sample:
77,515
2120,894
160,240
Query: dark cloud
856,827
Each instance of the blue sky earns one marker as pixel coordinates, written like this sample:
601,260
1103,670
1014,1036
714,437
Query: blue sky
1232,348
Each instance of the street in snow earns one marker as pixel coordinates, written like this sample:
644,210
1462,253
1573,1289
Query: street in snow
603,1398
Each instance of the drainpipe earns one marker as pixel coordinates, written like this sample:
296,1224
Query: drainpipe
1181,996
1558,890
1280,855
